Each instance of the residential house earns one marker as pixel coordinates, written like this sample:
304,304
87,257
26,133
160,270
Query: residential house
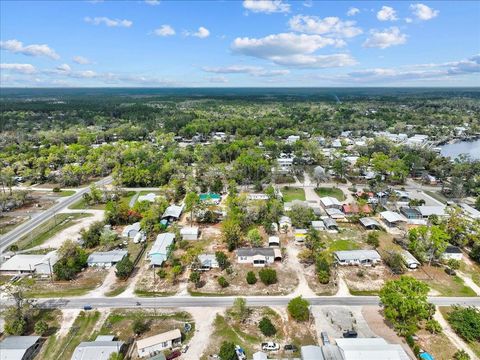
452,252
189,233
152,345
370,348
207,262
410,213
173,213
335,213
100,349
161,249
357,257
106,259
258,256
470,212
285,162
292,139
392,218
329,202
426,211
402,196
131,230
19,347
355,209
30,264
370,223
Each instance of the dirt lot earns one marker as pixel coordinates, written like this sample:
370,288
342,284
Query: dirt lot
86,281
230,327
438,345
337,319
364,280
119,322
320,289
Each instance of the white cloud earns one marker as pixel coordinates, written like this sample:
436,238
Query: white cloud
423,12
353,11
152,2
385,38
218,79
17,47
164,30
109,22
408,20
81,60
326,26
296,50
246,69
308,3
19,68
202,33
266,6
64,68
387,13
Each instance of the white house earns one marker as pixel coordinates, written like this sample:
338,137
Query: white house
452,252
189,233
106,259
470,212
258,256
329,202
173,212
131,230
427,211
357,257
19,347
392,218
29,264
152,345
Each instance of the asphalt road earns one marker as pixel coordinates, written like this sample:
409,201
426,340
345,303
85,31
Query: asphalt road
226,301
12,236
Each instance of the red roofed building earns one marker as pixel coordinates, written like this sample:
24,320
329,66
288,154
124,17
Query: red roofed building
354,209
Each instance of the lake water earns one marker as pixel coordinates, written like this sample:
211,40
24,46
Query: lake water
471,148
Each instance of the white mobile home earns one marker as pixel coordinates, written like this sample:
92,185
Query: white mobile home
258,256
357,257
152,345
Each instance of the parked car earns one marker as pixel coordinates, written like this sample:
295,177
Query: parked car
450,271
325,338
87,307
290,348
173,355
240,353
185,348
350,334
270,346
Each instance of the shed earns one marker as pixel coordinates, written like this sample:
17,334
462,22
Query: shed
330,224
173,212
131,230
300,235
273,241
318,225
189,233
370,223
335,213
410,261
452,252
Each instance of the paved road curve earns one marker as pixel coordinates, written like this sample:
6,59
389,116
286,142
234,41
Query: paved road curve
226,301
12,236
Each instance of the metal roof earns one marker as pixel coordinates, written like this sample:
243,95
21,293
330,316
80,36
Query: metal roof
113,256
14,347
255,251
367,221
158,339
28,262
409,258
98,350
161,244
330,201
150,197
329,222
311,352
347,255
371,349
431,210
173,211
392,216
189,230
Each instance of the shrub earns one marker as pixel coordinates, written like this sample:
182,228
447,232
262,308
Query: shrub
223,282
268,276
466,322
222,260
298,309
162,274
56,189
195,278
41,327
453,264
323,277
227,351
124,268
266,327
139,326
251,278
461,355
373,239
433,326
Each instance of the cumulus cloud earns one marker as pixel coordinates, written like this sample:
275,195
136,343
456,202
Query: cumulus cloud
17,47
109,22
81,60
353,11
423,12
266,6
327,26
201,33
19,68
164,30
152,2
64,68
246,69
385,38
387,13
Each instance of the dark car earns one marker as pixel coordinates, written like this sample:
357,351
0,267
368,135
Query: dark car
87,307
325,338
450,272
290,348
173,355
350,334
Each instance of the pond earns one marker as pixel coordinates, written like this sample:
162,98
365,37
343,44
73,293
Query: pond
471,148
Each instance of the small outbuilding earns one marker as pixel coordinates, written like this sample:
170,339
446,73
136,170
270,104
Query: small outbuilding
273,241
452,252
173,213
189,233
318,225
410,261
370,223
100,349
131,230
330,224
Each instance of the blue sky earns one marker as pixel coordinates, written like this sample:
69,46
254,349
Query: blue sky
239,43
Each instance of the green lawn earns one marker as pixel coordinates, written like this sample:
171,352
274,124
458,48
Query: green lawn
49,228
456,288
63,348
64,193
293,193
437,196
82,204
334,192
341,245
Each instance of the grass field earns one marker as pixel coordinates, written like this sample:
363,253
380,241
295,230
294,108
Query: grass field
82,204
437,196
456,287
293,193
49,228
334,192
341,245
65,193
63,348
